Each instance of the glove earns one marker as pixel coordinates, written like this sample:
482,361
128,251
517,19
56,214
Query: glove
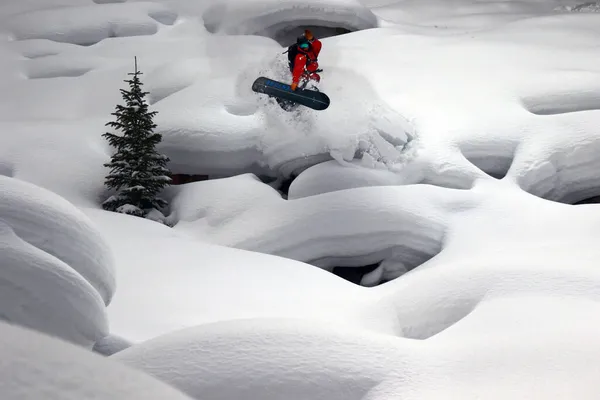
294,85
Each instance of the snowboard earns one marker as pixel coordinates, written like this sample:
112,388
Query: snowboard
286,96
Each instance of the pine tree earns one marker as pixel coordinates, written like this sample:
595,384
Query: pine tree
137,171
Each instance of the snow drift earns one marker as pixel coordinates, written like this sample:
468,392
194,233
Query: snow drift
466,96
496,310
399,226
57,271
87,25
200,85
176,281
34,366
331,176
291,358
42,293
277,19
54,226
271,360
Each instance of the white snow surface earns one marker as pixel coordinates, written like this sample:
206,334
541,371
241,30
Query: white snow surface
456,129
267,17
41,292
173,282
472,318
87,25
57,271
331,176
53,225
34,366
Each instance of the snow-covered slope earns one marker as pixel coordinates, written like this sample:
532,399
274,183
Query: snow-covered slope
56,227
270,17
456,130
484,312
87,25
169,281
57,270
40,292
402,226
213,124
272,359
34,366
276,359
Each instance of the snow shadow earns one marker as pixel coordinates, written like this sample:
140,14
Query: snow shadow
567,172
396,227
494,156
89,24
284,21
562,103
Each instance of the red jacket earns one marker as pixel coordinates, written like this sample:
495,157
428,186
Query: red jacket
308,60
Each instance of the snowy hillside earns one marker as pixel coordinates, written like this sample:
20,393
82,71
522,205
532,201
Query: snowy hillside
427,236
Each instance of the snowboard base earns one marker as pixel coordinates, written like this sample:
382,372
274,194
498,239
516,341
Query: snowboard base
289,99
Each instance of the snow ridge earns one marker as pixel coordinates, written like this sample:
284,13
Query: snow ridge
448,174
35,366
268,17
400,227
87,25
53,225
43,293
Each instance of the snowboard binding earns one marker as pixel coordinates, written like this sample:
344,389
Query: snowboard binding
306,83
289,99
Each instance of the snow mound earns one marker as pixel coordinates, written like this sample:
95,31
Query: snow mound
458,16
210,120
43,293
177,281
480,309
53,225
400,227
504,301
263,358
87,25
271,359
38,48
524,251
172,77
564,169
294,358
30,144
480,352
52,66
199,199
331,176
275,19
35,366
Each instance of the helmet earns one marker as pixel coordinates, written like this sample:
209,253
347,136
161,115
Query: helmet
303,43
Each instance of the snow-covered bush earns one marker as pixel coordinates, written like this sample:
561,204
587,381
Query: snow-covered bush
137,171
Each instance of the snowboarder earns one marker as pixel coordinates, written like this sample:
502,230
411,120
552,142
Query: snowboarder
304,66
303,59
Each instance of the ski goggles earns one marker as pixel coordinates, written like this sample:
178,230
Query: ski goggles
304,46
